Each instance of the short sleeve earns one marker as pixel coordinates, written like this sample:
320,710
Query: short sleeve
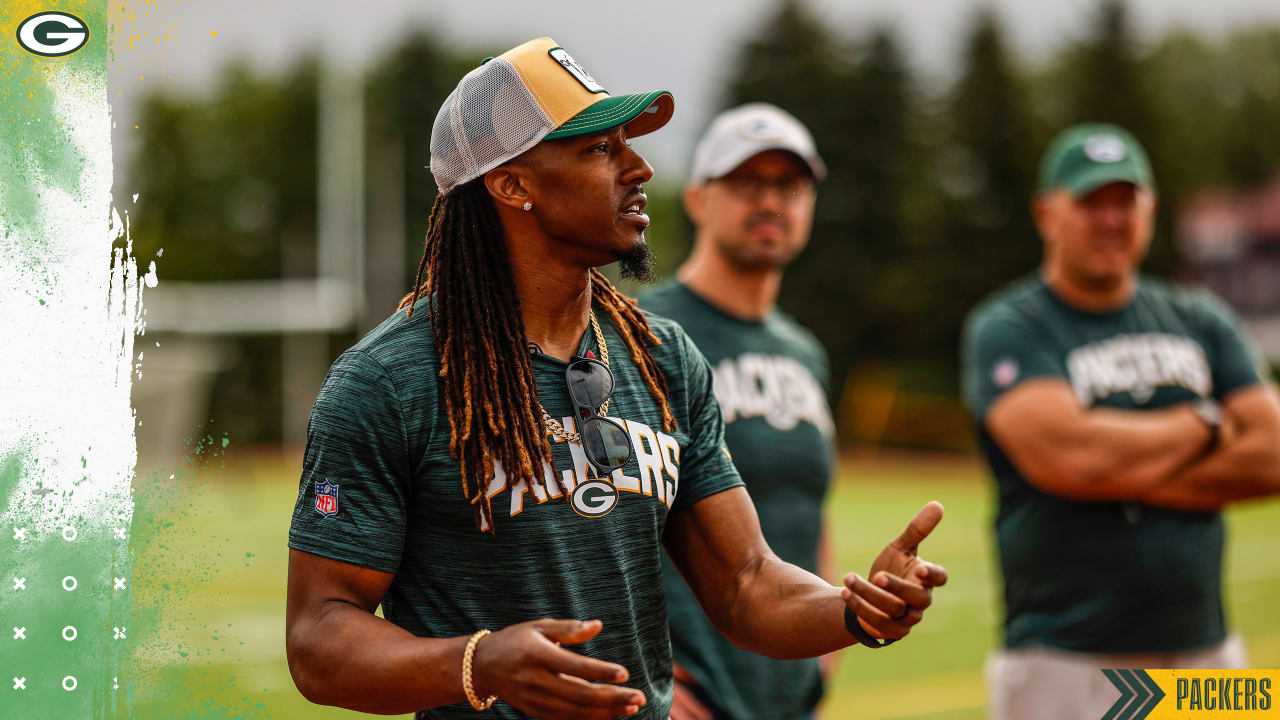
1236,361
822,373
999,352
353,497
705,465
821,363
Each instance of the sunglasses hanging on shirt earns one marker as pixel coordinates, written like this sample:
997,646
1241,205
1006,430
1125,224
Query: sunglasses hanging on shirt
604,441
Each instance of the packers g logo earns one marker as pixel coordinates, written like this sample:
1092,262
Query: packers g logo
1104,148
594,498
52,34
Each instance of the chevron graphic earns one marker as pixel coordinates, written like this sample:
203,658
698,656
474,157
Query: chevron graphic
1139,694
1117,709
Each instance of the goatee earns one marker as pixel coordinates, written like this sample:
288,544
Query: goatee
636,264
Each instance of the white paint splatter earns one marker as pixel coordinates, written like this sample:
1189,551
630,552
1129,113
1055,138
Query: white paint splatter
66,408
151,278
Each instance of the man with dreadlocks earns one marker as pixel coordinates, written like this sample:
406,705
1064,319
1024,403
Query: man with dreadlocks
499,462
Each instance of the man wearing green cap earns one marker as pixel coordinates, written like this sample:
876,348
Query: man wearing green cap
1119,415
500,463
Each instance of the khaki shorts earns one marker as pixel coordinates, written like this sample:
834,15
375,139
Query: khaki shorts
1050,684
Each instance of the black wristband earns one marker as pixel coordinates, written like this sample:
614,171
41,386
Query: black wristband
855,629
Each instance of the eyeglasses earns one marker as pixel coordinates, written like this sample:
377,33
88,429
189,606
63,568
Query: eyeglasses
752,187
604,441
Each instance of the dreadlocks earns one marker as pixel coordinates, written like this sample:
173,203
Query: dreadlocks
479,336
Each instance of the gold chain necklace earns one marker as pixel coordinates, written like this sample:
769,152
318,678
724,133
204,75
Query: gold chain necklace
552,425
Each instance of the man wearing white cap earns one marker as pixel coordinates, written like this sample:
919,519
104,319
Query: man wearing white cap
751,198
497,464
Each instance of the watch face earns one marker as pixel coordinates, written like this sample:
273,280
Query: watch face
1210,412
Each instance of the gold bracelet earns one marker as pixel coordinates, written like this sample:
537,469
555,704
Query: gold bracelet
467,687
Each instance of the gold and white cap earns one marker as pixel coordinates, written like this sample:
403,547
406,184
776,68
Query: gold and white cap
529,93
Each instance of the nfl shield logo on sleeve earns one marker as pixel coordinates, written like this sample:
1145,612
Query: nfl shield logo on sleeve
326,498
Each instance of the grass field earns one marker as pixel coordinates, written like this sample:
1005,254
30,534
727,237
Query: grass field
210,568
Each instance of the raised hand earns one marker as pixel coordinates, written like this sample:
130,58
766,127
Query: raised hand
901,585
526,667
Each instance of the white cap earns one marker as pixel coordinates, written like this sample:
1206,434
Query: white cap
739,134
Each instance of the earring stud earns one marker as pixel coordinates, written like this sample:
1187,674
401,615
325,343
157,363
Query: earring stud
528,205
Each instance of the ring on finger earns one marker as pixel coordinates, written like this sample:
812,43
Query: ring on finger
905,612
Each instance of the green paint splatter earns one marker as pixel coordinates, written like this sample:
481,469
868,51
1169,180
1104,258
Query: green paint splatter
66,602
160,665
180,515
13,467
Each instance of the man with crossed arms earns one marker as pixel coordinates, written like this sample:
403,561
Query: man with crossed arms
1119,415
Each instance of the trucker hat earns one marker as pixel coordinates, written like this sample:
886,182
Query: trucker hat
530,92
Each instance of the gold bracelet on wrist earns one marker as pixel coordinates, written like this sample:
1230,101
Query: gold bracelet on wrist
467,687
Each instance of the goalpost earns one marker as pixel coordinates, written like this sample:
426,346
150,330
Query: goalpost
194,321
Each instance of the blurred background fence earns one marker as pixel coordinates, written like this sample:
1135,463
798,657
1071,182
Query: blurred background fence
292,204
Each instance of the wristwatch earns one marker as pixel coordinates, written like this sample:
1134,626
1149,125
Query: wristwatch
1210,413
855,629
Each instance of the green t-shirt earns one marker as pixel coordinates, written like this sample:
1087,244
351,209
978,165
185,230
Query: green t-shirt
770,379
379,490
1105,577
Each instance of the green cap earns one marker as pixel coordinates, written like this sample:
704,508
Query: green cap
1085,157
641,112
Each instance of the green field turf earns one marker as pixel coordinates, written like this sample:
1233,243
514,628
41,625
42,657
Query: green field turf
210,569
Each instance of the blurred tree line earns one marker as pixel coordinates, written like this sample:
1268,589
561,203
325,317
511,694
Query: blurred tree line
927,208
925,212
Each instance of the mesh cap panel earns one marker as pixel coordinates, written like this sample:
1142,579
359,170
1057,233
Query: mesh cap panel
490,118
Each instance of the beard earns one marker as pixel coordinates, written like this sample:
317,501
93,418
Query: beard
636,264
745,254
751,260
